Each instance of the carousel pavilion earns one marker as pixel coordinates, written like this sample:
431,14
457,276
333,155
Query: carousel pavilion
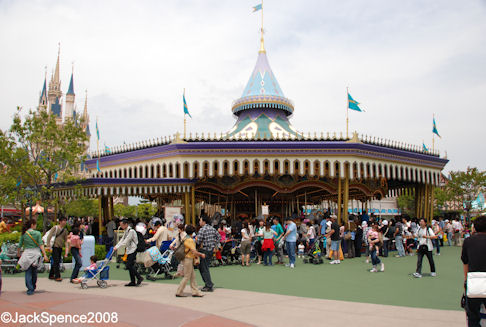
262,162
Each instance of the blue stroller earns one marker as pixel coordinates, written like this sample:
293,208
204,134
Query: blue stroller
161,263
100,274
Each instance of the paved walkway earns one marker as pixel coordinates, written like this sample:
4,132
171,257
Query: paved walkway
140,306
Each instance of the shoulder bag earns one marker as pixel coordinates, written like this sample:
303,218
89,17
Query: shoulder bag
476,285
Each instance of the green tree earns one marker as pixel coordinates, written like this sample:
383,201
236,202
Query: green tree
125,211
82,208
406,203
39,153
464,186
145,210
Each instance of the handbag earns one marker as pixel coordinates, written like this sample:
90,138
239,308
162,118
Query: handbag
180,252
476,285
347,236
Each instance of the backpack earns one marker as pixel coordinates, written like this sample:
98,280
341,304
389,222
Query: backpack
141,242
180,252
56,232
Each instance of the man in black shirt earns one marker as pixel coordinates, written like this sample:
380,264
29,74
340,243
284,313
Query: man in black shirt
335,240
474,260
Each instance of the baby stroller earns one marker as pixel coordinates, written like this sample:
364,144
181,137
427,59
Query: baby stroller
314,253
8,255
160,263
230,252
100,274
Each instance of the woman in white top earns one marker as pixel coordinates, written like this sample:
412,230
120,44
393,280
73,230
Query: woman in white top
425,235
245,246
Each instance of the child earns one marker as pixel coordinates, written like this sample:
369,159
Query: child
301,250
93,266
268,245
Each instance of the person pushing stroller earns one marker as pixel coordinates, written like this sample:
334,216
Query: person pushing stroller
130,241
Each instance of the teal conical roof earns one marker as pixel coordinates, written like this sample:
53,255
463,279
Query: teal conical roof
71,86
262,81
263,110
262,90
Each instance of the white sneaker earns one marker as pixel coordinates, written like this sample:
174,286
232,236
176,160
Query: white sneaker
382,267
292,266
416,275
433,274
338,261
333,262
373,270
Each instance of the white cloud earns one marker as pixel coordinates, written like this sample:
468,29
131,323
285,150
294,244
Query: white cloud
403,60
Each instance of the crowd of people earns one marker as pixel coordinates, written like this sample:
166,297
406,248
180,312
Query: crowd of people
259,241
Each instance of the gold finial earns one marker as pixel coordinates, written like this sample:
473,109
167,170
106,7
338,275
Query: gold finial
262,41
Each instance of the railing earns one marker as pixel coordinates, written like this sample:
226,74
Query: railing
242,137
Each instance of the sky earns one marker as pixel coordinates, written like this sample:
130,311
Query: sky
404,61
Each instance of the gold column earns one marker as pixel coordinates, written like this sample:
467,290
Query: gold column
339,200
421,202
186,208
426,203
100,213
417,200
432,188
112,210
346,194
193,205
109,215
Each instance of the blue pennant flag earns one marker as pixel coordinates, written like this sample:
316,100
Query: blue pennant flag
107,149
257,7
425,147
19,181
55,177
353,104
434,128
97,130
186,111
98,165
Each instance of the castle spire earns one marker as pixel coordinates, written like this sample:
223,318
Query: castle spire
70,96
56,72
71,84
85,111
43,96
55,94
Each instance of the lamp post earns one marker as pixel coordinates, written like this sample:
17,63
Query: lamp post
28,195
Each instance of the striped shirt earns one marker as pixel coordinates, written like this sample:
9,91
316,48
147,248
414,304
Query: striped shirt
208,237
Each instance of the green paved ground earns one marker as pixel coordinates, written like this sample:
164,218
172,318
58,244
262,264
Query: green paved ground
349,281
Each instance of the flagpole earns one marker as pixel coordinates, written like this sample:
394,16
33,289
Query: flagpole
98,140
184,96
347,112
433,138
262,47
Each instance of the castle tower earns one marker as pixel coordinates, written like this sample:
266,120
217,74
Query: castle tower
70,97
43,96
85,120
55,94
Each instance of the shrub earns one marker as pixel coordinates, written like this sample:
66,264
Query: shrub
100,251
12,237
